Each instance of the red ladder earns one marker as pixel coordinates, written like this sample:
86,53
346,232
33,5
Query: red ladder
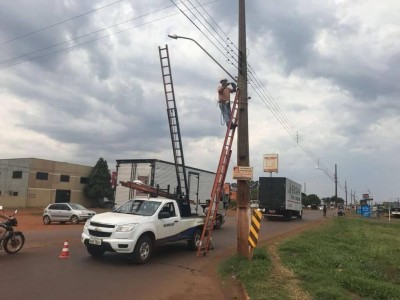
218,187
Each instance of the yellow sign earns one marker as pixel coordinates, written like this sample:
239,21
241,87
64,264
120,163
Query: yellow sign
254,228
242,173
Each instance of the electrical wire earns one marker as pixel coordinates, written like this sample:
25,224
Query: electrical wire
264,95
255,82
58,23
9,62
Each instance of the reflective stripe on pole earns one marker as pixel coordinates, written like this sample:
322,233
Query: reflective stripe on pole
254,228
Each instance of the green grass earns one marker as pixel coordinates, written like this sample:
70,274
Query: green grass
252,274
349,259
344,259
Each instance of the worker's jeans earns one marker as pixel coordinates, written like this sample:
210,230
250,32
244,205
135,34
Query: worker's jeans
225,111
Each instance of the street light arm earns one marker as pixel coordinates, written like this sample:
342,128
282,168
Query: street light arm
174,36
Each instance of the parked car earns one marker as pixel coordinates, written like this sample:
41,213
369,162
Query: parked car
66,212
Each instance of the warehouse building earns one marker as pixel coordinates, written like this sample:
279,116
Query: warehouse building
33,182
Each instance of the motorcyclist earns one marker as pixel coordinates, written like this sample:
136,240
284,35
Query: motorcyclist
324,210
2,215
341,211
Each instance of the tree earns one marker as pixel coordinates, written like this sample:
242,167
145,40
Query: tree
314,200
332,200
253,186
311,199
99,183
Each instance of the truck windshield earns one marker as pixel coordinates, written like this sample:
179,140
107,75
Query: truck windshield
139,207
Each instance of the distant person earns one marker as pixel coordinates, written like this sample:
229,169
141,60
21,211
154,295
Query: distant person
341,211
324,210
224,100
225,202
207,207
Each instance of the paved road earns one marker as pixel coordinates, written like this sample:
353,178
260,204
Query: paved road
173,273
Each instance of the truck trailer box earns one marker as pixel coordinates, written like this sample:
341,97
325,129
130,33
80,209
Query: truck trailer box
162,174
280,197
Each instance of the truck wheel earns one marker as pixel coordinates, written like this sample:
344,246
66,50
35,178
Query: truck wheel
194,242
288,216
143,250
300,215
95,251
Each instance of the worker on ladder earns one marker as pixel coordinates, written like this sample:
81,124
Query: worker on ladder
224,99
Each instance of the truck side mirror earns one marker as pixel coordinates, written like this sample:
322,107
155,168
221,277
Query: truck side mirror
164,215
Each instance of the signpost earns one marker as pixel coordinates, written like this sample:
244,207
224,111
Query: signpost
242,173
271,163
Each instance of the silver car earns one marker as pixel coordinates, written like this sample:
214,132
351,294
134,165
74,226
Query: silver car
66,212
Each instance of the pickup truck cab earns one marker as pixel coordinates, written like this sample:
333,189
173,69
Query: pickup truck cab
138,225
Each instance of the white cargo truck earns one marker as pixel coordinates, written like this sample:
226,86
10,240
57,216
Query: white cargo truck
162,174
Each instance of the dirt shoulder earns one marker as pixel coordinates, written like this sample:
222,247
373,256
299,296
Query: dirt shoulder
233,289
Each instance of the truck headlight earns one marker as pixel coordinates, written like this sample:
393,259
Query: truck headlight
126,228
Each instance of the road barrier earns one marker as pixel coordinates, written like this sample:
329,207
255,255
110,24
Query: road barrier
254,227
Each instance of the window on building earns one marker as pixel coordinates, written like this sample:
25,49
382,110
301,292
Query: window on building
84,180
17,174
64,178
42,176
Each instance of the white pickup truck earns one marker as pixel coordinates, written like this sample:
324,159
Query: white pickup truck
138,225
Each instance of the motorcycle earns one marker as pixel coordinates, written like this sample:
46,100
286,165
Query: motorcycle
341,213
11,241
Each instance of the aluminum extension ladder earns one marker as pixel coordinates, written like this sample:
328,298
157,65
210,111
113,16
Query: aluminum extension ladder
173,122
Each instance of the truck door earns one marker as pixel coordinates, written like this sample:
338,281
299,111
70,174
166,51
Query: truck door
169,228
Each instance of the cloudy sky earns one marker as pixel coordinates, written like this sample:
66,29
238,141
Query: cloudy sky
81,80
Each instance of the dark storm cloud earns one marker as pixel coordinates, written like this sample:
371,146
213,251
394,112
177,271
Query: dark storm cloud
106,99
21,18
293,30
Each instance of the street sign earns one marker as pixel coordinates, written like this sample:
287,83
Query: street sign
242,173
271,163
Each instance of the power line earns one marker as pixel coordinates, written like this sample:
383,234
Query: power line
255,82
84,43
264,95
58,23
11,64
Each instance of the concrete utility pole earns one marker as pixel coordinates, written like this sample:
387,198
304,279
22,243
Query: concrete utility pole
243,197
335,185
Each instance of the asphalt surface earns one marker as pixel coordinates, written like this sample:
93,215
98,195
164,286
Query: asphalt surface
37,272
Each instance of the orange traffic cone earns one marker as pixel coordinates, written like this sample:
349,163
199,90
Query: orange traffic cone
65,251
